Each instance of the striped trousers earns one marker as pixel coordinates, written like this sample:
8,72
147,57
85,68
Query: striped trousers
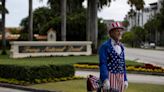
116,82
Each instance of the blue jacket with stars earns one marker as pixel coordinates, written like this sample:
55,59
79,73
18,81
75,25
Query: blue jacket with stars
109,60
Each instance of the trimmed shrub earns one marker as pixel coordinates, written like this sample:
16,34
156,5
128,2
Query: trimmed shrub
30,73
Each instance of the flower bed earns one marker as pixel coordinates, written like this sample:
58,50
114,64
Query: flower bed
37,81
146,68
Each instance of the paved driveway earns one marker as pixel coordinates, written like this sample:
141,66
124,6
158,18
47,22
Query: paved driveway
144,55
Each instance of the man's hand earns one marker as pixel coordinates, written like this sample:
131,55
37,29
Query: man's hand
106,85
126,84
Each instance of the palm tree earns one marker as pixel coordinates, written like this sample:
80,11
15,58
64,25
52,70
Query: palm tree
139,5
67,6
131,15
72,5
4,11
30,21
63,19
88,30
92,29
102,3
55,6
132,12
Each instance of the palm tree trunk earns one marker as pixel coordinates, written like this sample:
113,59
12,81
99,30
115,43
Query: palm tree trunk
3,28
138,18
93,23
30,25
88,30
63,19
135,23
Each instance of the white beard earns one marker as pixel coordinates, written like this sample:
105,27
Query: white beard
120,38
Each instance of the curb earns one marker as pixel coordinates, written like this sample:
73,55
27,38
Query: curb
24,88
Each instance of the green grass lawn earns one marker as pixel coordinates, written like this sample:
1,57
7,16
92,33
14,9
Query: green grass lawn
37,61
47,60
80,86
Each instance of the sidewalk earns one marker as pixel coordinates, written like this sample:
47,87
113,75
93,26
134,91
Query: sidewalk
135,78
3,89
159,48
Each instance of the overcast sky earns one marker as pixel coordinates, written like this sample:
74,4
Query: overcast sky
18,9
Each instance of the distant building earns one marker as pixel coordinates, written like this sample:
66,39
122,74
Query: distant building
144,16
107,21
141,18
11,35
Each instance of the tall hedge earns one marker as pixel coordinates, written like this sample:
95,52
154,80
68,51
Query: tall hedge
30,73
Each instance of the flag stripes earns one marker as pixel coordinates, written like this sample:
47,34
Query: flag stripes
116,81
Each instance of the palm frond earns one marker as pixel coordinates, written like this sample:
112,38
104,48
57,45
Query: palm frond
1,8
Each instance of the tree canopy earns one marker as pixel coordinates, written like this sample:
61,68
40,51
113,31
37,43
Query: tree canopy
46,18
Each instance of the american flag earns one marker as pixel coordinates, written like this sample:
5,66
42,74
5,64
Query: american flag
95,82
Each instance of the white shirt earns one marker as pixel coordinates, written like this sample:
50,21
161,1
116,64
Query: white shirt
116,47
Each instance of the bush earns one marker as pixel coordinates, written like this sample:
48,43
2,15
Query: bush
30,73
7,44
135,37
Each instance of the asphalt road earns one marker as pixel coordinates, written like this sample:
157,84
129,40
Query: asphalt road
145,55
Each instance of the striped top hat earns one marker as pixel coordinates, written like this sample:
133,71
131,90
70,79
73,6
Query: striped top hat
115,25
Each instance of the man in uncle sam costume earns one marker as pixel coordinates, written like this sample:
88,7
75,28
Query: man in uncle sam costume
112,61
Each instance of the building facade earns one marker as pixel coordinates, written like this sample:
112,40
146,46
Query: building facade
141,18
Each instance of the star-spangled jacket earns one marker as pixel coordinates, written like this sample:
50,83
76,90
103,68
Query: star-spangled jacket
110,61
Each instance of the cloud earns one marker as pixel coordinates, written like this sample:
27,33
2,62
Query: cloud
18,9
116,10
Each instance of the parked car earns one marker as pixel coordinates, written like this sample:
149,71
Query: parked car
152,45
147,45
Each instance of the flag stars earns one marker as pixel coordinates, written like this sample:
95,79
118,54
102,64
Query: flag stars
116,62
